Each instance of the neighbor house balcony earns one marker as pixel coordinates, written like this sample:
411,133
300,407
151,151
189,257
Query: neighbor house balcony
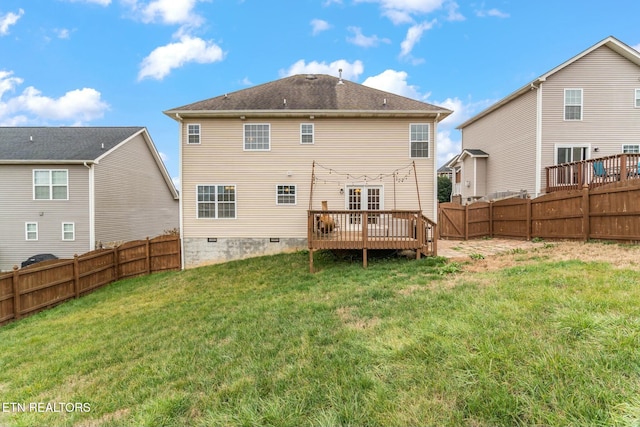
371,229
593,172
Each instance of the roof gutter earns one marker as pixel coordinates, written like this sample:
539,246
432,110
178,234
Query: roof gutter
46,162
182,114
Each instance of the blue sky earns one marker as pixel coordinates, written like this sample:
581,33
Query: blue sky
123,62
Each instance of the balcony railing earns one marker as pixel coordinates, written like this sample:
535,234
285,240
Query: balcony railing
373,229
593,172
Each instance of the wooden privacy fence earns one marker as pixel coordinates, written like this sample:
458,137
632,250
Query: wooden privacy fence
610,212
31,289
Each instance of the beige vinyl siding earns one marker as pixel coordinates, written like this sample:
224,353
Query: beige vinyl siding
353,146
508,135
18,207
609,117
132,200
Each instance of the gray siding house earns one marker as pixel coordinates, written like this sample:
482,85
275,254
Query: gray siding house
65,190
587,107
247,159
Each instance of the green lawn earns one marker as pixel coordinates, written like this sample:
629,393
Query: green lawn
402,343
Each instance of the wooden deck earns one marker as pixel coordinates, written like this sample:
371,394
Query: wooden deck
593,172
373,229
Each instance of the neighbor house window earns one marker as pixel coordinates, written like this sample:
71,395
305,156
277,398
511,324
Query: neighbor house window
193,134
31,230
68,231
573,104
420,140
216,201
257,137
50,185
306,133
631,148
637,104
286,194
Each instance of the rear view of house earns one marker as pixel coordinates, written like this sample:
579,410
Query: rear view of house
587,107
251,159
66,190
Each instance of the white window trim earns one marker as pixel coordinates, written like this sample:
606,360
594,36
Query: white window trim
564,107
216,217
295,195
636,98
244,130
33,177
630,145
313,134
190,134
73,231
26,231
428,156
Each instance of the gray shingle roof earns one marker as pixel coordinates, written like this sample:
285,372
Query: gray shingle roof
60,143
317,92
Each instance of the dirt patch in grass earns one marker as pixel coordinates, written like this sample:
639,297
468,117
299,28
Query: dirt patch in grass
618,255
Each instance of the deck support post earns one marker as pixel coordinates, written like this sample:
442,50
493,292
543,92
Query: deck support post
364,257
311,261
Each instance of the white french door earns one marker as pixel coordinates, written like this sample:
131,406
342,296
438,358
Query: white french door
364,197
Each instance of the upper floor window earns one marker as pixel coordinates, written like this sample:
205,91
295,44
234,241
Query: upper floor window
51,184
631,148
31,230
285,194
216,201
420,140
306,133
637,104
257,137
573,104
68,231
193,134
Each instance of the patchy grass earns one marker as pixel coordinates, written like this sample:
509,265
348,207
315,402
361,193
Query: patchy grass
544,339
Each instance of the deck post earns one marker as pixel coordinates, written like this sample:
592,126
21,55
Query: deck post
365,237
311,261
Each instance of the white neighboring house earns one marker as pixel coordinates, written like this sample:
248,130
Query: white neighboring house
63,190
586,107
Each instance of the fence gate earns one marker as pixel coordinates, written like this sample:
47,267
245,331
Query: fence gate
451,220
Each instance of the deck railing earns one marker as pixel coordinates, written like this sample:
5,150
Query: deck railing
593,172
371,229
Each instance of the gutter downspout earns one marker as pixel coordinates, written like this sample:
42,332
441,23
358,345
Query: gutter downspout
180,206
92,207
538,165
434,216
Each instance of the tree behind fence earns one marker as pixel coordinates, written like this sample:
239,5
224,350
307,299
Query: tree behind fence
29,290
611,212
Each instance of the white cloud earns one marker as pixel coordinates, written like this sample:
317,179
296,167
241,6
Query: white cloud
453,14
350,71
394,82
8,20
491,12
361,40
402,11
76,106
318,26
163,59
636,47
414,34
168,12
62,33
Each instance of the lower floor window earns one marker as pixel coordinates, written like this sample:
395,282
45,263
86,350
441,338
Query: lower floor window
286,195
68,231
31,230
216,201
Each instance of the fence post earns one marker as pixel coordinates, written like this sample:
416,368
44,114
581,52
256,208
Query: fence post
466,222
116,263
148,254
529,225
76,276
586,221
16,293
491,219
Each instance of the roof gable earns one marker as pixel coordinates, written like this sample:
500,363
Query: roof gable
308,93
611,42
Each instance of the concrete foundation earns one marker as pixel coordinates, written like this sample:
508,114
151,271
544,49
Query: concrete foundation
203,251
